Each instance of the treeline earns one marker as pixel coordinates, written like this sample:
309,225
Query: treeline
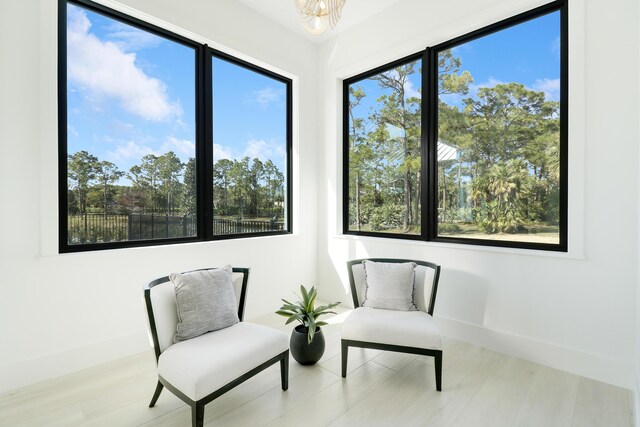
498,165
165,185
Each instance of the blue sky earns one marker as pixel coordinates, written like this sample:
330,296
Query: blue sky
132,93
528,53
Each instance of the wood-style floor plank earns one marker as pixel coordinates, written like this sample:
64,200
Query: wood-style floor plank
600,404
551,399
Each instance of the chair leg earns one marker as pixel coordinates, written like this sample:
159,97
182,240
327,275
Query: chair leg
156,394
345,355
284,371
438,363
197,414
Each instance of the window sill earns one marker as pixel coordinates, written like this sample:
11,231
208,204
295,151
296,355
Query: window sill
572,254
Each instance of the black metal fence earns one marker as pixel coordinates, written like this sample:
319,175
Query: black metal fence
100,228
239,226
97,228
154,226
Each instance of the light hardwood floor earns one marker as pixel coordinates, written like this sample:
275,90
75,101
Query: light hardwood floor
480,388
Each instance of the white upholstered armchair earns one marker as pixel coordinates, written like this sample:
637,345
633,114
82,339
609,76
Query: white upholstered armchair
393,303
200,369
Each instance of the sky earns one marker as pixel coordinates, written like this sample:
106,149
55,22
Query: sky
528,53
132,93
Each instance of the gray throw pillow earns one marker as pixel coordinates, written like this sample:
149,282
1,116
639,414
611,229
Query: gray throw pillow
389,285
205,300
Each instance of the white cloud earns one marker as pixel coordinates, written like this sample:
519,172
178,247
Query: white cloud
257,148
410,91
130,150
550,87
129,38
184,148
492,82
220,152
266,96
264,150
105,70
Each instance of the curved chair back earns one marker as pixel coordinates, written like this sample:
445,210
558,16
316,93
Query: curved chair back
427,275
160,299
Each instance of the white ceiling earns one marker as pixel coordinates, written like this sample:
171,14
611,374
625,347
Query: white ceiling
284,13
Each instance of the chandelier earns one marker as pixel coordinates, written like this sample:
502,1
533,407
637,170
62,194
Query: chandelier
317,15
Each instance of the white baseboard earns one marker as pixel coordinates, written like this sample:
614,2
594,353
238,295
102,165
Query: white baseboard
23,373
611,371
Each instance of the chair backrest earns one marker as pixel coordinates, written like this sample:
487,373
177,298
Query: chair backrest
160,299
427,275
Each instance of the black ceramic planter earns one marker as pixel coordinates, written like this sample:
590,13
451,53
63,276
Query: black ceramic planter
306,354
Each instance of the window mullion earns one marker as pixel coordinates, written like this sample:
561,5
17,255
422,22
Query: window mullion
205,146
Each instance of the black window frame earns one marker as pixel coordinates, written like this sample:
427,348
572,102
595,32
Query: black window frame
429,135
203,131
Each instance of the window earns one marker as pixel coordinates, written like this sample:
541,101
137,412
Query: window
249,149
164,140
493,139
384,116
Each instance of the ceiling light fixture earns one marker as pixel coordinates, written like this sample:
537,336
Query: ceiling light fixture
317,15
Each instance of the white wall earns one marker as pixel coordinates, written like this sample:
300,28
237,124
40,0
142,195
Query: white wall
61,313
572,311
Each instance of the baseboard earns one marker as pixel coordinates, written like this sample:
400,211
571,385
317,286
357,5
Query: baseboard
23,373
611,371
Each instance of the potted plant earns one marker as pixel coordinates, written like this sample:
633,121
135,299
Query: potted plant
307,341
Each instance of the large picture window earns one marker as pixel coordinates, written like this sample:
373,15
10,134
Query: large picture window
494,139
149,152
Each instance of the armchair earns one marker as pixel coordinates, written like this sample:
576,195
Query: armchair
200,369
395,330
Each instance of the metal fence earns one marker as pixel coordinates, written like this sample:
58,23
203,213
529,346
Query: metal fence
100,228
96,228
239,226
154,226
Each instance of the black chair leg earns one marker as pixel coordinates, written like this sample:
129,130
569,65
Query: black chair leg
284,371
438,363
156,394
345,355
197,414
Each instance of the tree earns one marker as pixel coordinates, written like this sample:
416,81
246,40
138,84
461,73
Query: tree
255,180
508,143
145,180
81,172
221,184
107,173
189,193
402,113
274,185
359,152
240,185
169,170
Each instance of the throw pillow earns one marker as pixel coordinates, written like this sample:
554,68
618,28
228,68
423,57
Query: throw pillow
389,285
205,301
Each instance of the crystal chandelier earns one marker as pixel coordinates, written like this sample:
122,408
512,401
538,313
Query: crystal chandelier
317,15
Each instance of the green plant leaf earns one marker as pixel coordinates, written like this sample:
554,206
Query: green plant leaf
312,329
291,307
284,313
294,317
312,298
